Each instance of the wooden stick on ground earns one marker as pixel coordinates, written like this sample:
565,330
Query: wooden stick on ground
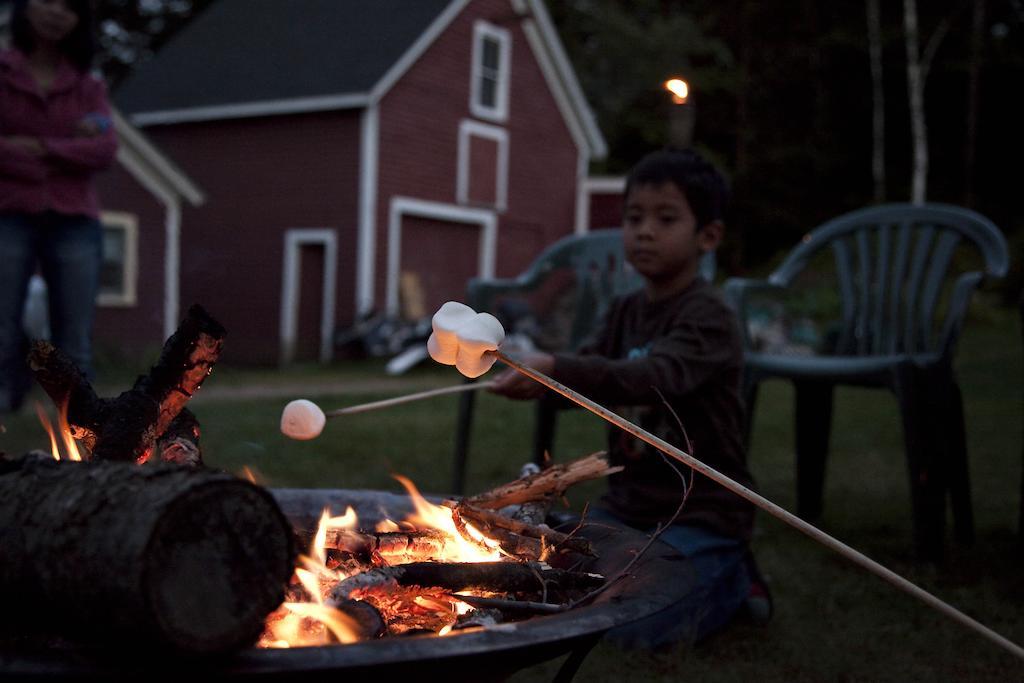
771,508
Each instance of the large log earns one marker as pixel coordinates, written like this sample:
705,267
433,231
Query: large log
124,556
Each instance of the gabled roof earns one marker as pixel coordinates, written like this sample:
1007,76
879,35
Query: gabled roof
262,57
248,51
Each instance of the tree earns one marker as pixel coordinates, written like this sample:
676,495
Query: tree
877,100
130,31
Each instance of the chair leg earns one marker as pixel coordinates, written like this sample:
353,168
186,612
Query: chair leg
750,387
919,406
544,430
958,474
464,426
813,422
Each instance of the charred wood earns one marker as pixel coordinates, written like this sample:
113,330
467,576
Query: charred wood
490,523
498,577
552,482
150,417
161,556
388,547
513,608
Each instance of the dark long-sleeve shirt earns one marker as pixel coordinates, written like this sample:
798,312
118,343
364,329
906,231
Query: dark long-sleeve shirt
687,348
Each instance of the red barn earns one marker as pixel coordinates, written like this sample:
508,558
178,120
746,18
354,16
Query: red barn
356,156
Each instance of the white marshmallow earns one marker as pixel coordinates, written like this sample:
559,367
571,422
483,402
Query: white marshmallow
477,336
302,420
443,344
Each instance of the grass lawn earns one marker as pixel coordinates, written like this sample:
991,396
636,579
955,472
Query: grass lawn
833,621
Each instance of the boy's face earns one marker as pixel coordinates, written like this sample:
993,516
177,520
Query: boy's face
660,233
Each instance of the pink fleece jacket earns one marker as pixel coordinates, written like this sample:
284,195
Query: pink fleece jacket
61,180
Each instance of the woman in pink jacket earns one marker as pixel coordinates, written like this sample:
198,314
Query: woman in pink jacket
55,134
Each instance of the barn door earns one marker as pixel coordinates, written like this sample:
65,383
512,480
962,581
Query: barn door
308,295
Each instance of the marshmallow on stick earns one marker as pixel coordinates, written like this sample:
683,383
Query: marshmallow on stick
479,354
303,420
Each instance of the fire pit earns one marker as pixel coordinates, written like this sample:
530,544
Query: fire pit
659,578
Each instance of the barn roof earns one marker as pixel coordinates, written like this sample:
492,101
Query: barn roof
247,51
262,57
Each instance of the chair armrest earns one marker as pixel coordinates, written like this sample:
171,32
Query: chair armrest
959,302
481,292
735,290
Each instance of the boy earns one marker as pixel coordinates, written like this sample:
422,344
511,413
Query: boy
673,342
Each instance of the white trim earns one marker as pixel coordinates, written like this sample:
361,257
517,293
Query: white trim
407,206
172,236
128,294
582,198
590,186
163,169
416,50
562,100
468,129
242,110
605,184
369,144
565,77
294,239
499,112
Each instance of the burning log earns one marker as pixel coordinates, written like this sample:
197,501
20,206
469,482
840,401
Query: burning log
387,547
527,578
164,556
151,415
493,523
552,482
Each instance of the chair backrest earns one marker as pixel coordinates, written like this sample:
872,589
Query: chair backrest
891,264
569,286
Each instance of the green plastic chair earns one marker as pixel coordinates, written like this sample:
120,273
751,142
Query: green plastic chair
901,310
559,301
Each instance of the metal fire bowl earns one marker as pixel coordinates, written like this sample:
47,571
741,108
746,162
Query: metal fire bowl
662,576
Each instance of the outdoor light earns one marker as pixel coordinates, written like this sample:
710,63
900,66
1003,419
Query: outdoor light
679,89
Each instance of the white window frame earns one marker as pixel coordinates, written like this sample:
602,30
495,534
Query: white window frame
499,112
128,296
294,240
469,129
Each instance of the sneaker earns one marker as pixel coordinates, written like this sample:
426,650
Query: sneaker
758,605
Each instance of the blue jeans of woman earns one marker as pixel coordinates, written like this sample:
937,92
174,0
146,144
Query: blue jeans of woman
721,584
68,251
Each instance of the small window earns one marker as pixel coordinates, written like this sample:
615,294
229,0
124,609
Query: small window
119,270
489,91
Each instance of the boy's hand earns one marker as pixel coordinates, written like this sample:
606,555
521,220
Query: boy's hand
516,385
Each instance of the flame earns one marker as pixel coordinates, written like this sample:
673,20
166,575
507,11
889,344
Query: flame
679,88
70,445
45,421
253,476
304,624
440,518
290,628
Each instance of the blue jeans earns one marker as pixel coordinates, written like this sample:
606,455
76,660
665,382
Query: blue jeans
721,586
68,250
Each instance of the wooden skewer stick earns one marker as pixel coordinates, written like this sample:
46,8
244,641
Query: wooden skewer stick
458,388
771,508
